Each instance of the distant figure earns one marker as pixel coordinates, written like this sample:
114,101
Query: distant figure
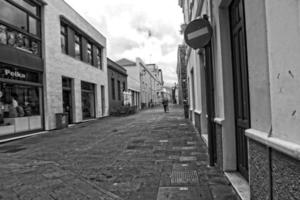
165,103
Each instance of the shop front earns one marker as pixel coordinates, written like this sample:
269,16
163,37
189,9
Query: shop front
20,100
88,100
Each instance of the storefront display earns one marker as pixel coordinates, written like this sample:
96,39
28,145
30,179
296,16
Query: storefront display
20,100
88,100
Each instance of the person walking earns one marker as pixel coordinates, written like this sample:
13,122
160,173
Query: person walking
165,103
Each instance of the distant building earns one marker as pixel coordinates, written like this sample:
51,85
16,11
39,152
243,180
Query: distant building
133,80
117,84
150,80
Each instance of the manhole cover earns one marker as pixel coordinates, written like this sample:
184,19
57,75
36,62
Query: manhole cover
178,193
187,177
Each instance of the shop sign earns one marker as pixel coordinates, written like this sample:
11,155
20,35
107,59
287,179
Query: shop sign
14,74
198,33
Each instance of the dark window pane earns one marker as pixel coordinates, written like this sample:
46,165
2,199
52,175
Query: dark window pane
13,15
63,39
113,89
89,53
33,24
78,47
99,58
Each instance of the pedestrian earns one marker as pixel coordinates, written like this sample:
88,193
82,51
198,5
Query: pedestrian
165,103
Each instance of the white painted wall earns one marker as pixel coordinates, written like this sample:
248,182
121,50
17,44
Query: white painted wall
283,29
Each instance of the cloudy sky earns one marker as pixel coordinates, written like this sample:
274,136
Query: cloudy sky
138,28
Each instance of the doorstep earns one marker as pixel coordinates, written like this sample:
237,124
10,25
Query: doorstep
240,185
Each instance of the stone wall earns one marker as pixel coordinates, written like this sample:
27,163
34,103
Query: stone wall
273,175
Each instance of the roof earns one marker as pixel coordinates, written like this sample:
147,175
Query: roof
125,62
115,66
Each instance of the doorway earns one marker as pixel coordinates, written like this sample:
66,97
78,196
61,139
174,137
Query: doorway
67,98
102,100
240,83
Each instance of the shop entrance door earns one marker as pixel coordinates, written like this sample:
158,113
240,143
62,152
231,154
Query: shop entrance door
240,81
67,99
102,100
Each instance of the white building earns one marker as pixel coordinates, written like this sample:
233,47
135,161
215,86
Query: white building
246,96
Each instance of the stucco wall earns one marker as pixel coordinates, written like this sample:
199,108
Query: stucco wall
58,64
258,66
283,30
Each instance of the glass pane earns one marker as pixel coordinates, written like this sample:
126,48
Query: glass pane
13,15
28,5
63,43
19,100
77,51
33,24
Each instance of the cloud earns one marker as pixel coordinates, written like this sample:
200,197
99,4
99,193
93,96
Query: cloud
137,28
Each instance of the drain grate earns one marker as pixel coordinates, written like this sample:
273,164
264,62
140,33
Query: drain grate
186,177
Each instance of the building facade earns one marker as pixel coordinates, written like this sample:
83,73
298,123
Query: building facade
75,66
117,84
148,78
48,65
243,93
134,82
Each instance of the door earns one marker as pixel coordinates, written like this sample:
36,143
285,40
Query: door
240,81
67,104
102,100
67,98
210,104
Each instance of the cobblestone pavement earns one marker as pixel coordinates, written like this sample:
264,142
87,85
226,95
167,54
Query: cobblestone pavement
148,156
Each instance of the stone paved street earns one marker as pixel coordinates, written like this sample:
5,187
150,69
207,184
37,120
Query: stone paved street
148,156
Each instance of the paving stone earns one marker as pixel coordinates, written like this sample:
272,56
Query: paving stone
111,159
182,193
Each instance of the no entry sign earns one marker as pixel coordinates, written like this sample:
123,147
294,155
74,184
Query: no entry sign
198,33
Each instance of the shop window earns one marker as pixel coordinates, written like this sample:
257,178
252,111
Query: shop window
63,39
87,100
78,49
99,58
19,100
113,89
89,53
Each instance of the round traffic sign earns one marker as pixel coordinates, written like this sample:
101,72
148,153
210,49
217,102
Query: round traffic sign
198,33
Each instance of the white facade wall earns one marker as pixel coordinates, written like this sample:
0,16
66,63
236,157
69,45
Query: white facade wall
58,64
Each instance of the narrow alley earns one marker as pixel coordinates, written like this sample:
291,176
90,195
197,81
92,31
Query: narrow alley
148,156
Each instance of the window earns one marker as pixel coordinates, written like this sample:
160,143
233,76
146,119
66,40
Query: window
113,89
78,50
99,58
63,39
20,25
119,90
89,53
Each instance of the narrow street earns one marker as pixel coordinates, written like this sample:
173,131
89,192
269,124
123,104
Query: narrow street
151,155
